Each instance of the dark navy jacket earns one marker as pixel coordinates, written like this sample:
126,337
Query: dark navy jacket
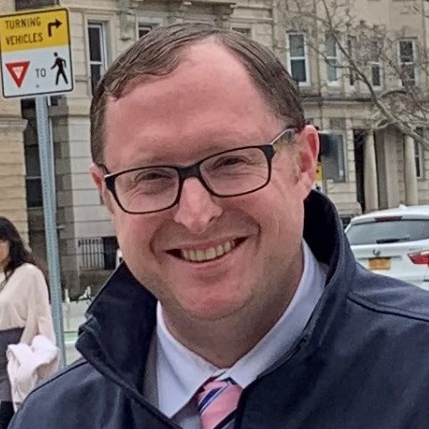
362,362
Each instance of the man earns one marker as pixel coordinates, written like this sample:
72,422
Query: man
239,301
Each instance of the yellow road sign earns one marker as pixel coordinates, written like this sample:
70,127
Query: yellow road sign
35,53
318,182
34,30
319,172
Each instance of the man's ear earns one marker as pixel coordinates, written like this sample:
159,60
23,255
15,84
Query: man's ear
308,151
98,177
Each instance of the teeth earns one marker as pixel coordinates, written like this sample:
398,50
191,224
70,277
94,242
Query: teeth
210,253
186,254
219,250
207,254
200,255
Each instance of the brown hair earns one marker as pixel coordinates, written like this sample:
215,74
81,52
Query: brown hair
18,254
161,51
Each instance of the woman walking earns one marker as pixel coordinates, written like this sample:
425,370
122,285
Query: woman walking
24,306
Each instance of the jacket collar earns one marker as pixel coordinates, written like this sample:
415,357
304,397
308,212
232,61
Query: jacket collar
115,338
121,320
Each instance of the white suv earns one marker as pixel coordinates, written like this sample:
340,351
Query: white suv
393,242
118,257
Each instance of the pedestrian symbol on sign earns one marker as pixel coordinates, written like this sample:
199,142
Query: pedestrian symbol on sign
60,63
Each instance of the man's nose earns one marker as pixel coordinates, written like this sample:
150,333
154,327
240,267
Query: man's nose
196,208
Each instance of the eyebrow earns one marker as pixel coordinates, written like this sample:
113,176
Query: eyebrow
165,159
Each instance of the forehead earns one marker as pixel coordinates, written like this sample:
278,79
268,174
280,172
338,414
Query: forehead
207,103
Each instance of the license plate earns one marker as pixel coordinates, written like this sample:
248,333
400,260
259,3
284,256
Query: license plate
379,264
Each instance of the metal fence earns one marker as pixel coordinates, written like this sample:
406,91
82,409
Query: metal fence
97,253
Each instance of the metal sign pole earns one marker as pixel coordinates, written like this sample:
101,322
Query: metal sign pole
49,209
34,68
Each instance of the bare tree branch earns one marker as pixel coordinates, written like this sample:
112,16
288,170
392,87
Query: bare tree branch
403,100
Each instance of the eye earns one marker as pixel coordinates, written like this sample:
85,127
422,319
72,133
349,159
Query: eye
229,160
150,175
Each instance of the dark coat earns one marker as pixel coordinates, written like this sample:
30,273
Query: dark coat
362,362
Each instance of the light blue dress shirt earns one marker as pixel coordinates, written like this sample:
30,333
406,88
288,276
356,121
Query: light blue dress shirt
174,373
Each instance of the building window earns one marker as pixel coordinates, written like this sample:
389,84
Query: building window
407,61
351,43
297,58
419,155
33,180
332,156
97,52
243,30
332,60
143,29
375,63
376,75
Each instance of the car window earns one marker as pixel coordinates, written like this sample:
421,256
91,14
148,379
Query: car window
388,231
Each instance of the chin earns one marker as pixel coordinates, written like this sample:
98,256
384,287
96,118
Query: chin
213,310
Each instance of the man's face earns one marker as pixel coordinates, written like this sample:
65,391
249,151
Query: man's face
207,105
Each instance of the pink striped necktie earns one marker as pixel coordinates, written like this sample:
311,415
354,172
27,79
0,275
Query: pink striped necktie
217,402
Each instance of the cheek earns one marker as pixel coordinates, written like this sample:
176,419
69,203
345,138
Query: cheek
288,186
284,188
279,208
134,234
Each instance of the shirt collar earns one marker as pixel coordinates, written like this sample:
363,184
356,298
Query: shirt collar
177,387
180,372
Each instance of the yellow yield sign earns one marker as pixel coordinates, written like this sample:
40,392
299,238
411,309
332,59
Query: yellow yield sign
35,53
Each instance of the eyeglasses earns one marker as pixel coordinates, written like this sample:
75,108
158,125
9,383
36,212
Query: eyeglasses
230,173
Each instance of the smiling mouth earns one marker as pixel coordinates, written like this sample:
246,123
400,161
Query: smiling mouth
204,255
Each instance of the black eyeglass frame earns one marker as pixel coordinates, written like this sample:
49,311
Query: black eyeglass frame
193,170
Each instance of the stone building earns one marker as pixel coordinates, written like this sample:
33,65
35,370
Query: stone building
12,160
368,173
366,169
